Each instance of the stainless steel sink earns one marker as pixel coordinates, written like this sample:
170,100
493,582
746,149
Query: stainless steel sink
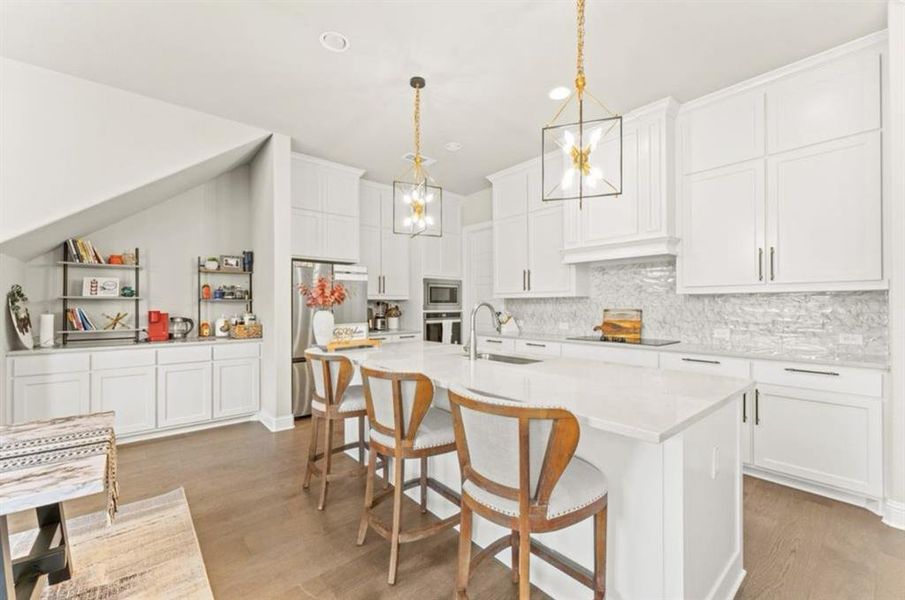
513,360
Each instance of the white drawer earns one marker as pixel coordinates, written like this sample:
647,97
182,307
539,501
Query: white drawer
116,359
169,356
700,363
538,347
45,364
495,344
235,350
845,380
620,356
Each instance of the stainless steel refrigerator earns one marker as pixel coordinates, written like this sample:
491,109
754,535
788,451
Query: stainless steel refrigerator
353,310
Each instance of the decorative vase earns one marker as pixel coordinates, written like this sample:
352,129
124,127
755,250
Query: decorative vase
322,323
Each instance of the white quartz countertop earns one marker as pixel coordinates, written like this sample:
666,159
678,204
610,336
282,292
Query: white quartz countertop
101,345
637,402
713,350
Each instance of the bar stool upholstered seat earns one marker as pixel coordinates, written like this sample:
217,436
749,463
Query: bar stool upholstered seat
519,471
334,400
404,425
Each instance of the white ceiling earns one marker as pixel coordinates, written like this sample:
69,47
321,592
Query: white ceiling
488,64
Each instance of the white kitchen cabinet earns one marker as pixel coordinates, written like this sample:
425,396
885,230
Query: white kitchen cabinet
325,210
830,101
528,239
723,132
394,259
782,180
183,393
385,254
546,272
640,221
38,397
510,256
130,393
236,387
723,223
831,439
341,235
824,203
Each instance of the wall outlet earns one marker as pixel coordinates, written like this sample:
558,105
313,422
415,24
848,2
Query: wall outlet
564,326
851,339
721,334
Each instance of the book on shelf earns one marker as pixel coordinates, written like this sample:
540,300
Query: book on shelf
79,321
83,251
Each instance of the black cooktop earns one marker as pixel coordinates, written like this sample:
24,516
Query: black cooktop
618,340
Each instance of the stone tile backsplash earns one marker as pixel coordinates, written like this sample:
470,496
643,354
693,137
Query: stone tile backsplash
796,324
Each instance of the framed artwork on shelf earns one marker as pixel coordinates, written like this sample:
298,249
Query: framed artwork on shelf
100,286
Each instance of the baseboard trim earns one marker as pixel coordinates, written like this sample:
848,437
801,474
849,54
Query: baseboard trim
894,514
275,424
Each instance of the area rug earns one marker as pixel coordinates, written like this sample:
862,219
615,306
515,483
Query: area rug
150,551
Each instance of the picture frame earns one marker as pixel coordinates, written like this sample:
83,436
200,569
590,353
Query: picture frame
100,286
230,263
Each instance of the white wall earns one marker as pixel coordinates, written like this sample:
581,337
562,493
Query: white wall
477,207
69,144
270,196
208,220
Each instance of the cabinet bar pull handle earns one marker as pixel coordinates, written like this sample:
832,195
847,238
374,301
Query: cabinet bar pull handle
702,360
812,372
493,341
757,407
760,264
535,345
744,408
772,268
529,280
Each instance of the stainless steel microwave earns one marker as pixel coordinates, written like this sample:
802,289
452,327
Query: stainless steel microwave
442,294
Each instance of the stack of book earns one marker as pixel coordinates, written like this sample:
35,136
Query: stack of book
83,251
78,320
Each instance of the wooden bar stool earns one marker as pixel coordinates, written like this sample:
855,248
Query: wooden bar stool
518,471
334,400
404,425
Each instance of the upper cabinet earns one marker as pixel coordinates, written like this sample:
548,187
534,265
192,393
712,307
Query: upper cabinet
529,238
640,221
325,211
780,186
384,253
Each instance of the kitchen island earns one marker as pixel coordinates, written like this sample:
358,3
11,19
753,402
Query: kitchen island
668,443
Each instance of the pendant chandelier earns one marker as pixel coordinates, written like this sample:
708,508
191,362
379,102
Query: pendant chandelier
417,198
581,159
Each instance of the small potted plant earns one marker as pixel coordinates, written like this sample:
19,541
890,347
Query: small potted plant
323,295
393,314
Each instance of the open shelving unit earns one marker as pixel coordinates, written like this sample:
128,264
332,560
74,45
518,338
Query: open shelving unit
67,333
248,302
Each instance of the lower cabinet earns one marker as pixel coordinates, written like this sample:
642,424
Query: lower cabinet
833,439
236,387
39,397
183,393
130,393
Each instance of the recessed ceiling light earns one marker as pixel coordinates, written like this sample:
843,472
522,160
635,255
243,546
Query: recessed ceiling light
559,93
453,146
334,41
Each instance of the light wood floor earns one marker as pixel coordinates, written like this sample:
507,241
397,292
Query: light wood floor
262,537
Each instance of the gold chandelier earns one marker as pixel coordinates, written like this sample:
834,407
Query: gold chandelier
581,159
417,198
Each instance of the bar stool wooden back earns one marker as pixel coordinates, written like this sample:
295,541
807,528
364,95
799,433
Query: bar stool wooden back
519,471
334,400
404,425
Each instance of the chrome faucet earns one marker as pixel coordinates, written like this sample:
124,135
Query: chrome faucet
472,339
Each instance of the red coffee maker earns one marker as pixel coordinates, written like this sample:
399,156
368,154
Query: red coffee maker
158,326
